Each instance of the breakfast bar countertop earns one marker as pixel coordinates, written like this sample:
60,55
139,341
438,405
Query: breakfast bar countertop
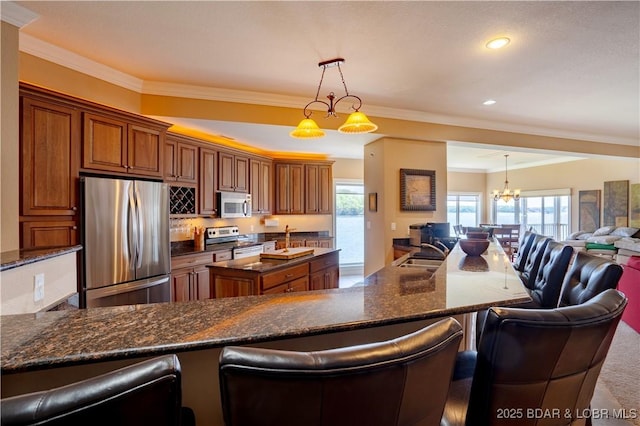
392,295
16,258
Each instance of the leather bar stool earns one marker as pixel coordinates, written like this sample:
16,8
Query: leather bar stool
523,251
545,289
146,393
532,264
403,381
534,361
547,284
589,276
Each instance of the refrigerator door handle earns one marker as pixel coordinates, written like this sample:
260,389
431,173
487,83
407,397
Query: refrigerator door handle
140,240
133,236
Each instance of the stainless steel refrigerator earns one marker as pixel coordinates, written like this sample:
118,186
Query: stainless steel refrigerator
126,244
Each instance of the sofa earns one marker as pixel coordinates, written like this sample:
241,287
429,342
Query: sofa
605,241
629,284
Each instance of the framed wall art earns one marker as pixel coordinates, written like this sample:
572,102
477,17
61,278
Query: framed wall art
616,203
417,190
373,201
589,210
634,205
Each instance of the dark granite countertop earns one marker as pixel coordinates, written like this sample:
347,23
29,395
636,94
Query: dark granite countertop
258,265
391,295
15,258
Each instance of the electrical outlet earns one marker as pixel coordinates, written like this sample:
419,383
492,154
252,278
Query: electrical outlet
251,228
393,226
38,287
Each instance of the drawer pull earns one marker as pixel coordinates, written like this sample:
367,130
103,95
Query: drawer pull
288,275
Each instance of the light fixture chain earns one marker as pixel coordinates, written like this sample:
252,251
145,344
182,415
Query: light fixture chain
342,77
320,84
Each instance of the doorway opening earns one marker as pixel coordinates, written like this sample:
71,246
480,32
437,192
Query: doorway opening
349,202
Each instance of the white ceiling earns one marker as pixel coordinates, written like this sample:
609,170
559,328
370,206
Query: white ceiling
572,68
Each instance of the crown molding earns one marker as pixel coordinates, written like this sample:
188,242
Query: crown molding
16,15
65,58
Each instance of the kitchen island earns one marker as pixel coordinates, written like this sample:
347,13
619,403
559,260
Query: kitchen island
54,348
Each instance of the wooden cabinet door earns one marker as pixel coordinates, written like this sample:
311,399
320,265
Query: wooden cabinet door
296,186
318,180
232,287
170,160
290,188
50,159
225,171
208,163
325,189
282,204
301,284
260,186
145,150
312,189
316,281
104,145
200,284
332,277
54,233
241,173
180,284
187,163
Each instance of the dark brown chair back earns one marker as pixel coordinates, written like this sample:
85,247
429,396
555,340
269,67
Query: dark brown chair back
532,264
534,361
553,267
147,393
524,247
403,381
589,275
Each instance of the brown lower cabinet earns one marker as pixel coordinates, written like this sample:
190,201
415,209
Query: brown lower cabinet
318,273
190,277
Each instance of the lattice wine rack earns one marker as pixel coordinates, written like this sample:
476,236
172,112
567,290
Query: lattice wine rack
182,200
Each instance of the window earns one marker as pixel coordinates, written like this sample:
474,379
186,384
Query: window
350,204
547,212
463,209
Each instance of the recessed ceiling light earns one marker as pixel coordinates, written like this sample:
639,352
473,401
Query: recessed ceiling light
489,102
498,43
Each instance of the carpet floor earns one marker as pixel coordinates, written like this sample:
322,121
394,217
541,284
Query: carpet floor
619,382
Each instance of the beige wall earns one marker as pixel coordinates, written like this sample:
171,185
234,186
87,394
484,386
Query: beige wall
9,239
383,160
348,168
46,74
577,175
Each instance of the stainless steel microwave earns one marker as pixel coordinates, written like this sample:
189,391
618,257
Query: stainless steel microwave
234,204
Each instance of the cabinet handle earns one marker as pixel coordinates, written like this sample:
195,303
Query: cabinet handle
74,227
74,208
288,275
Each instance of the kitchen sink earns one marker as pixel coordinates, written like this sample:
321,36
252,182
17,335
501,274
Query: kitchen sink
414,262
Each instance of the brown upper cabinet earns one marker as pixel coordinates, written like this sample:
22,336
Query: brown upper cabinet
319,193
233,172
116,145
208,167
261,185
289,188
50,158
180,160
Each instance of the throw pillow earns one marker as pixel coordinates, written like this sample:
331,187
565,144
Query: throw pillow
605,230
575,235
624,231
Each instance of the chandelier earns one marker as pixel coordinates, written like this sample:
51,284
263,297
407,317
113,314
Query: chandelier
357,122
506,195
